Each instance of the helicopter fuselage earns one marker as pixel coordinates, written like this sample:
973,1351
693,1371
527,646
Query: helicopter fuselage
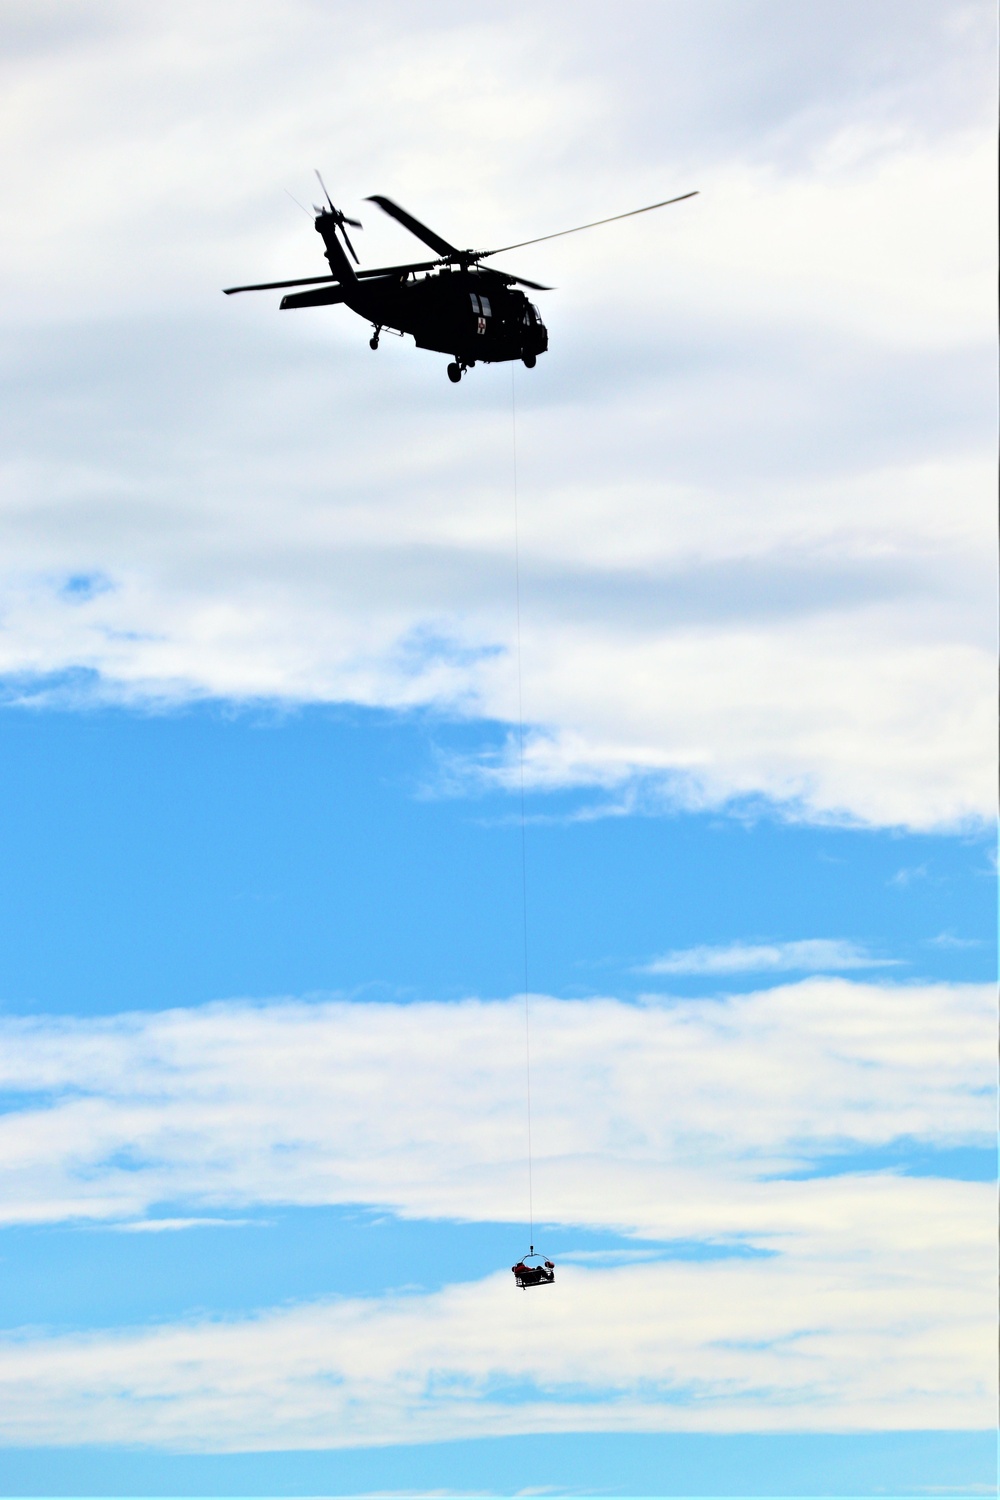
471,313
468,311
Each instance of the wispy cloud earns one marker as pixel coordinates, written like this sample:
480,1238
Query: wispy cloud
951,940
680,1121
419,1109
780,1344
806,956
166,1226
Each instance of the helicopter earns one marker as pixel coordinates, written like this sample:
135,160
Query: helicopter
454,304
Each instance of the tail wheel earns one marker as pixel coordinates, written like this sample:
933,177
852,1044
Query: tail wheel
454,373
529,360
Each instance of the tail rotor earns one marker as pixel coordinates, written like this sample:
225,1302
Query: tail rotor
339,217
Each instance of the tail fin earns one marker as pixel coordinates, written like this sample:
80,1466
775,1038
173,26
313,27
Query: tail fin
328,221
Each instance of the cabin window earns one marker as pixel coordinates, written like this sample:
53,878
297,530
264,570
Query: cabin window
486,306
475,302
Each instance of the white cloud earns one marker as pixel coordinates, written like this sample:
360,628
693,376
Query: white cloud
166,1226
815,955
756,467
664,1118
869,1307
772,1345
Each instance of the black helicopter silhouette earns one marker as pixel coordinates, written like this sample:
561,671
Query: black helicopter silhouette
454,304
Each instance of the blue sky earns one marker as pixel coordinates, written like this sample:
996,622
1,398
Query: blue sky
262,1095
189,856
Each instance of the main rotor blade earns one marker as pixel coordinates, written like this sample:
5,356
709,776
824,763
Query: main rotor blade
272,286
434,265
414,225
417,265
596,222
522,281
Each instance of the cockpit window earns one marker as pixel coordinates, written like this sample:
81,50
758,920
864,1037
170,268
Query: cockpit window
475,301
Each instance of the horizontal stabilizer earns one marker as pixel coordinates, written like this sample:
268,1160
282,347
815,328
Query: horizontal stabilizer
318,298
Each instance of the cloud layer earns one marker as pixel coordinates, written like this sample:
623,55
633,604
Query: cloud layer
730,1346
755,469
641,1112
865,1302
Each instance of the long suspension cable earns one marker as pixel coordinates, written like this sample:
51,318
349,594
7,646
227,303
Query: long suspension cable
520,763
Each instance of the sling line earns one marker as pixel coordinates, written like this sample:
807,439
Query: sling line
520,760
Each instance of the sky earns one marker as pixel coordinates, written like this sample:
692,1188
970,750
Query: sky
271,912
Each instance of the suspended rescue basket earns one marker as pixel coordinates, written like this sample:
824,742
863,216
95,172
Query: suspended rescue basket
527,1275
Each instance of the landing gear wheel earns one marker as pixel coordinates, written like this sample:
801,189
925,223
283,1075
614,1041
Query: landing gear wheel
529,360
373,341
454,373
